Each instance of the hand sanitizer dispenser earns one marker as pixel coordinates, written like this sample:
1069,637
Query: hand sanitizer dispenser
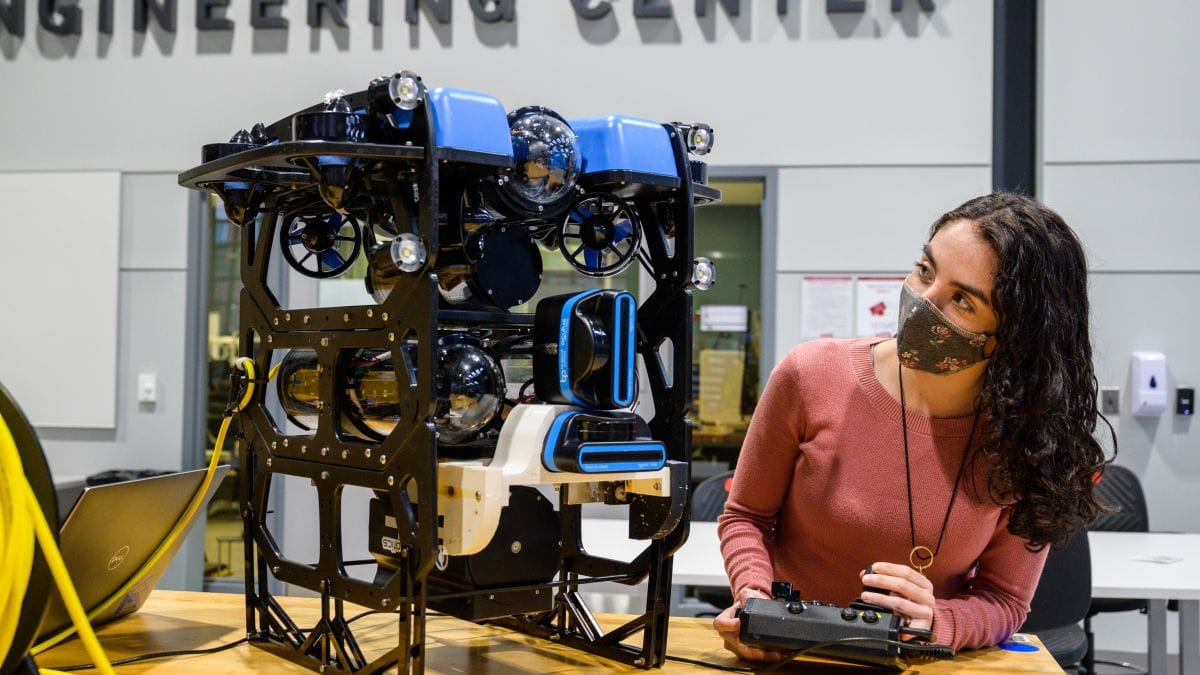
1149,384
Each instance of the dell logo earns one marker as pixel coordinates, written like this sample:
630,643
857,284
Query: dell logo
117,558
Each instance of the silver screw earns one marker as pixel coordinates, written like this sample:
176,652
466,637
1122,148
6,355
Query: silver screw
324,475
639,662
324,342
274,445
287,316
385,316
391,481
268,461
270,339
306,317
383,459
275,569
516,546
345,454
385,602
303,449
368,453
324,451
285,442
275,321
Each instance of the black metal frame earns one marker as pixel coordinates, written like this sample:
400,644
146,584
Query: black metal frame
406,460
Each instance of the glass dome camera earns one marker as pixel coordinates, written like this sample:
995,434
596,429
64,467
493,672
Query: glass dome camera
546,164
469,380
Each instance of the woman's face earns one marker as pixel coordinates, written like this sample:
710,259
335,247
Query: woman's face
955,273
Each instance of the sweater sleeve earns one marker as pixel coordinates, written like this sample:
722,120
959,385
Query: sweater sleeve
997,596
760,484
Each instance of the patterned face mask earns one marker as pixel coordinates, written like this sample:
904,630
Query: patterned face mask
926,340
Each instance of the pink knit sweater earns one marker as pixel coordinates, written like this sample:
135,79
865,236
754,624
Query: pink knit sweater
819,494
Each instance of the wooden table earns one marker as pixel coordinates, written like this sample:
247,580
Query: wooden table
1118,573
173,620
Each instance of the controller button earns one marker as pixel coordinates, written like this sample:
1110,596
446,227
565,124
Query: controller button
870,616
849,614
795,607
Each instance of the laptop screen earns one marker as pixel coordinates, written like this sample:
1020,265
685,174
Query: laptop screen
110,534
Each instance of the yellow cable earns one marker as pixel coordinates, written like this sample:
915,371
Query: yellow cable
23,522
245,364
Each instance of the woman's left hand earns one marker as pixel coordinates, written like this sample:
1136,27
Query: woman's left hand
911,593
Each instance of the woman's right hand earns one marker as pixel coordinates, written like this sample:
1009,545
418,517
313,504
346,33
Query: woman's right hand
728,626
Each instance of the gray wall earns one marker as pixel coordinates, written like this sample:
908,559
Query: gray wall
1121,162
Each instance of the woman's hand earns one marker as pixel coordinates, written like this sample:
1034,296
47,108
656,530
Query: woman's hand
911,593
728,626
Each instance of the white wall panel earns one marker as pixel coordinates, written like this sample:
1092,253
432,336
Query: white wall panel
809,88
1121,80
151,341
154,218
1131,217
58,292
865,218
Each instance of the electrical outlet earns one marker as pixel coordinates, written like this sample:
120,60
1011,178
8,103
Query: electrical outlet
1110,400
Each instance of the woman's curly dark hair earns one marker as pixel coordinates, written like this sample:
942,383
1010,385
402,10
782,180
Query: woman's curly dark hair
1039,388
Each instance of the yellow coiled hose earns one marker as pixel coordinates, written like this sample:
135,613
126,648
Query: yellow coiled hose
22,521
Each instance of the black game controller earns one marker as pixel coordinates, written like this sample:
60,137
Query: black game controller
860,633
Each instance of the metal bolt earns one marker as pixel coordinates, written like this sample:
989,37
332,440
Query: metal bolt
368,452
285,442
324,451
268,461
554,637
478,496
270,338
391,337
346,316
657,487
275,321
404,552
324,342
385,316
324,475
274,445
383,459
275,569
370,313
491,596
306,317
639,662
516,546
287,316
303,449
345,454
386,602
391,481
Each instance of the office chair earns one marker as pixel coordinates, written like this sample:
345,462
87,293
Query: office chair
708,502
1120,489
1061,600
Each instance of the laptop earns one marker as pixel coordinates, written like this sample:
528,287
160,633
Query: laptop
111,532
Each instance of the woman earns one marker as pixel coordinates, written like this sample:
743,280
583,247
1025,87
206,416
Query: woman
946,459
